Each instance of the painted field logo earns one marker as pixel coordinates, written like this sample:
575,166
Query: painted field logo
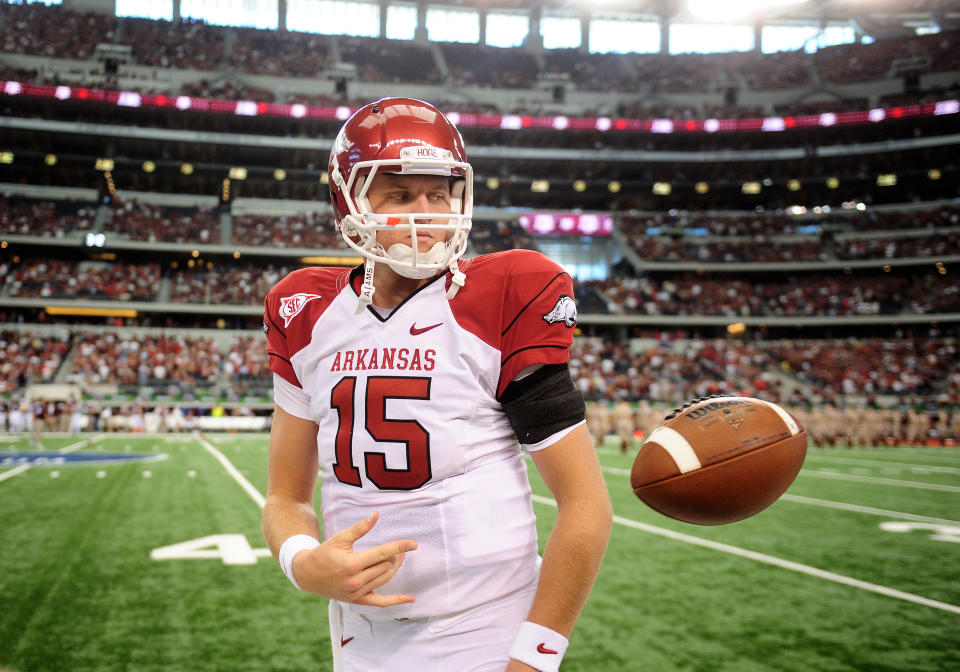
51,459
290,306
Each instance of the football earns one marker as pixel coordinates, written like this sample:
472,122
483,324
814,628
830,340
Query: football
719,459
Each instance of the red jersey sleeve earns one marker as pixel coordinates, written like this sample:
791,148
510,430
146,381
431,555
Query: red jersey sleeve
291,309
539,315
521,303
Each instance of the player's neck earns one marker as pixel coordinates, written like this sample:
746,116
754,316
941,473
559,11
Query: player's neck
392,289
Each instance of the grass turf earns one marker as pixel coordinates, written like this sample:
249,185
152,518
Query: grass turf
79,590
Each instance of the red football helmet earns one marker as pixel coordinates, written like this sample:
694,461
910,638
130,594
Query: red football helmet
407,137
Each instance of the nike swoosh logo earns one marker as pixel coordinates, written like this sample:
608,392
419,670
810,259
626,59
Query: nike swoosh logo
344,642
540,648
414,331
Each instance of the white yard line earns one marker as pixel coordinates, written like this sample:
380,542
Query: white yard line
775,561
883,463
820,473
886,513
19,469
936,454
856,508
670,534
80,444
232,470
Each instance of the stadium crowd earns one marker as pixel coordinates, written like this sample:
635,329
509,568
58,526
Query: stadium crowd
50,219
138,221
205,48
57,279
177,360
29,357
838,293
612,374
245,285
310,230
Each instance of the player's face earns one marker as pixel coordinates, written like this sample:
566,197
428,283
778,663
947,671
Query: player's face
399,194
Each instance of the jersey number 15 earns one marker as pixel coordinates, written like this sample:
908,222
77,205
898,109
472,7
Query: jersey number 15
382,429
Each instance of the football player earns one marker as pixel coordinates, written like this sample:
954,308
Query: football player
411,383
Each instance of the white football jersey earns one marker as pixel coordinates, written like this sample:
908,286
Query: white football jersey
409,418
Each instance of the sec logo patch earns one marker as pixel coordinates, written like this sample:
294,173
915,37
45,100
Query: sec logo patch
290,306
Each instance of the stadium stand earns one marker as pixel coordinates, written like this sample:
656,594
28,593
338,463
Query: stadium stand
847,290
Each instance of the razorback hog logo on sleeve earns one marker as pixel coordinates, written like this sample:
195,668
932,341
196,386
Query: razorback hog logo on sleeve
290,306
564,311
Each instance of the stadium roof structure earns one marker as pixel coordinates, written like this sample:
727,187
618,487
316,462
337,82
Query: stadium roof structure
879,18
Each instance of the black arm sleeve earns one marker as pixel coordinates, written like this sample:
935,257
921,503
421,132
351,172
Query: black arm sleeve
543,403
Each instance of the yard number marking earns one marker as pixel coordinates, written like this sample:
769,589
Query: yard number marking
231,549
940,532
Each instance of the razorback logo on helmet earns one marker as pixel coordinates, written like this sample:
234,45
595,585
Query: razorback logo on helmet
565,310
290,306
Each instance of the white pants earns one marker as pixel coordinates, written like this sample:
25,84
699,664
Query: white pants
475,640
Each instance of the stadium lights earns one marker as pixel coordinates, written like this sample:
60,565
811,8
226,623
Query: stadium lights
493,183
90,312
579,186
750,188
186,169
887,180
50,159
833,183
236,254
793,185
662,188
148,166
324,177
108,177
331,261
104,165
702,187
736,329
540,186
6,157
614,187
934,174
238,173
279,174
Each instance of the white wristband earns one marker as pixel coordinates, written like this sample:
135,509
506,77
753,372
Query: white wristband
539,647
289,549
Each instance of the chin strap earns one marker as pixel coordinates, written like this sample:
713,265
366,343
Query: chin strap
366,289
457,281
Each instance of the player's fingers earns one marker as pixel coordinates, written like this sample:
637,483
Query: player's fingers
360,579
374,577
346,537
382,553
378,600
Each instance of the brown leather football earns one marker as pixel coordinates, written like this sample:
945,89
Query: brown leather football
719,459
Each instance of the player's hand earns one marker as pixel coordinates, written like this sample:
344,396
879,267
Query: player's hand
334,570
517,666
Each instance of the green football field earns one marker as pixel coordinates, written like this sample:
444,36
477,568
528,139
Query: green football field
159,565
